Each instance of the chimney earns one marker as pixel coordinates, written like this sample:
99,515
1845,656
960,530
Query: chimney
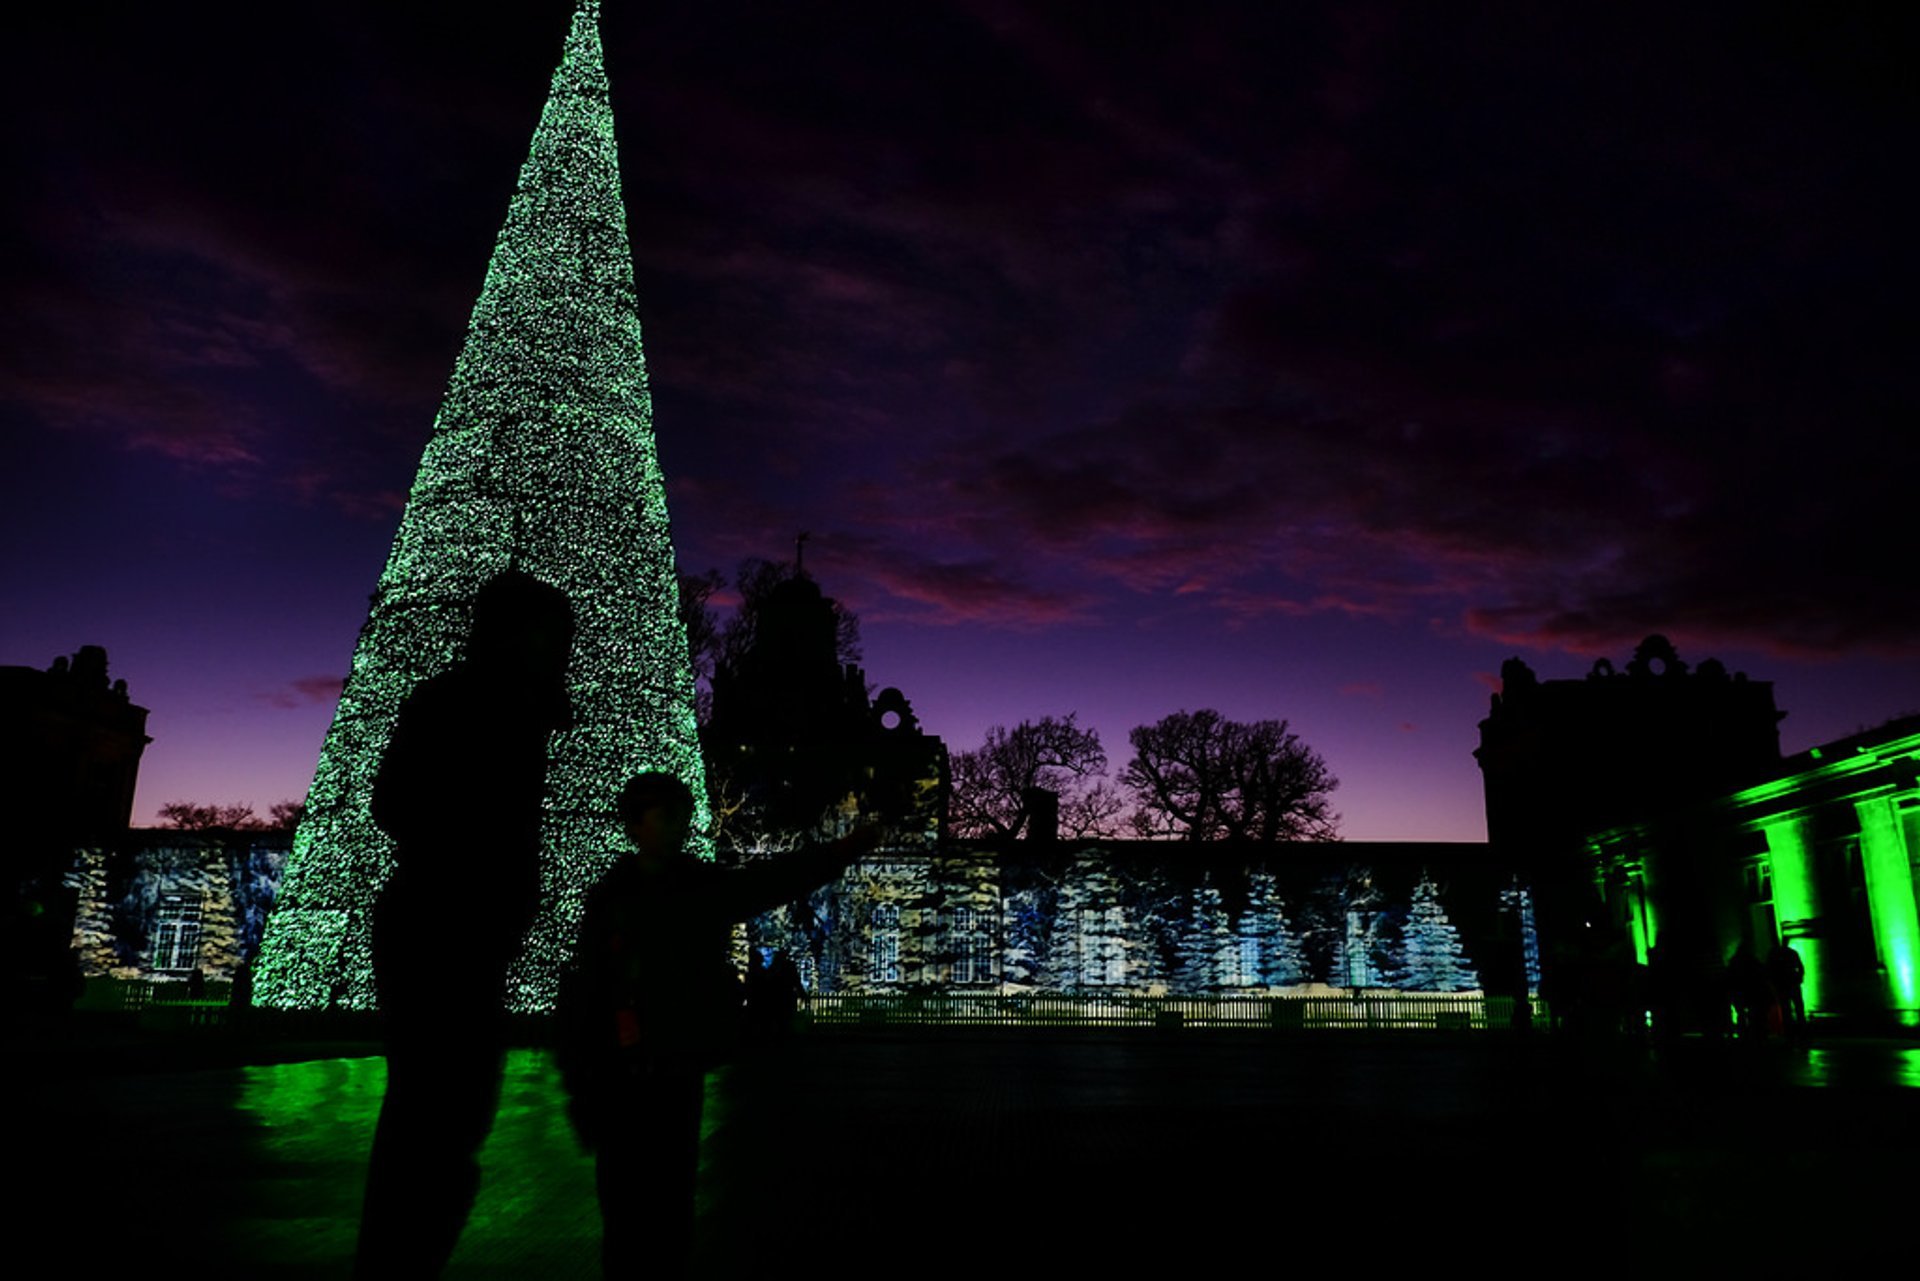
1043,813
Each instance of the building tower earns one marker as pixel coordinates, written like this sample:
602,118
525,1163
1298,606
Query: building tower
70,746
1563,759
797,746
541,459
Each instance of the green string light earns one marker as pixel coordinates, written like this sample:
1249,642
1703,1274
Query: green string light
542,458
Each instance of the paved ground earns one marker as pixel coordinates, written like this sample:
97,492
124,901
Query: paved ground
1021,1154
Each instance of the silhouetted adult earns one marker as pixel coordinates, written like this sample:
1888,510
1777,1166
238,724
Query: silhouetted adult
650,1004
459,790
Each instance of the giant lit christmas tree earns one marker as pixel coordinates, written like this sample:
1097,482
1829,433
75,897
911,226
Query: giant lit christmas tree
542,458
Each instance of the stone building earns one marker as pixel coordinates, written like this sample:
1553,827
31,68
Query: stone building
1157,918
159,903
70,746
795,737
1137,918
1562,759
1818,853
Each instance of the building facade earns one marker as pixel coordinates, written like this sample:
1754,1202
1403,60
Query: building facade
70,747
159,904
1158,918
1563,759
1819,856
1136,918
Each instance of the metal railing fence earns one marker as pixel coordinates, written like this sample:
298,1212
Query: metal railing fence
1358,1010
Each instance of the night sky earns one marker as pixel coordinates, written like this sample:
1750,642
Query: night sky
1301,361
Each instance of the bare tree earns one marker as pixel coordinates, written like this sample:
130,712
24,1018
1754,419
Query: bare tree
189,817
1092,810
1200,776
703,634
283,816
698,617
991,784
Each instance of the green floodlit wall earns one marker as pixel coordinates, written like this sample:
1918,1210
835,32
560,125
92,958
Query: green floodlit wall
542,457
1885,856
1621,872
1889,875
1796,899
1646,926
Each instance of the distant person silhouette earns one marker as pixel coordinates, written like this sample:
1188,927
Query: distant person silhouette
1789,974
1751,992
650,1004
773,992
240,995
759,1000
460,792
788,985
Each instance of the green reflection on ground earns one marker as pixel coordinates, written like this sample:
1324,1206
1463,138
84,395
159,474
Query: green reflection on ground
535,1215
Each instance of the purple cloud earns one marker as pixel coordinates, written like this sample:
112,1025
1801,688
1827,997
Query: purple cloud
305,691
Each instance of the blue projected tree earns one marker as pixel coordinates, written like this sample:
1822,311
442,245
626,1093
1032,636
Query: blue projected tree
1267,939
1516,901
1431,958
1206,951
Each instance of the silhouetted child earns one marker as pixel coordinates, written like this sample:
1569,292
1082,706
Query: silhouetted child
460,791
651,1003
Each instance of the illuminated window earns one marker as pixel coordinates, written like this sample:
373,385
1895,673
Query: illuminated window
176,934
971,944
1757,877
883,955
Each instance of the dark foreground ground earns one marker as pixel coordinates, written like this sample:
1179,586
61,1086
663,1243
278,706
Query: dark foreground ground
1023,1154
